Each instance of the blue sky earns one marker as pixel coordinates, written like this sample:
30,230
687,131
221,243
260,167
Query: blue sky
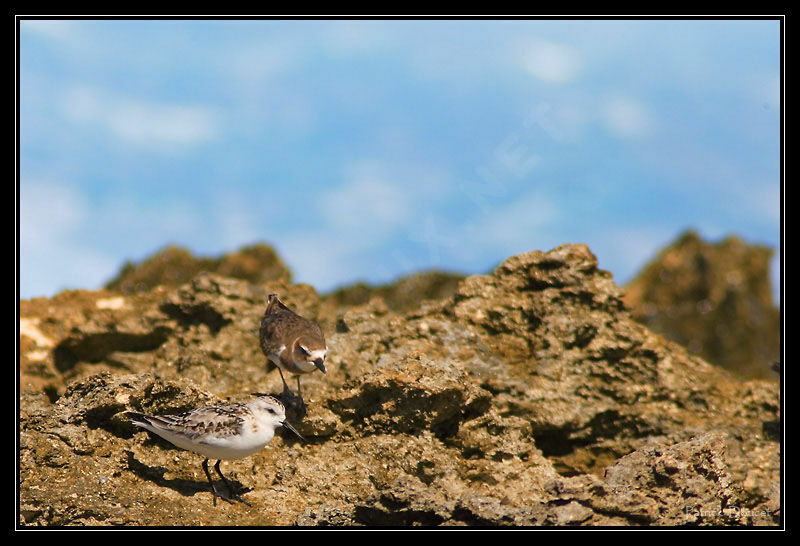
366,150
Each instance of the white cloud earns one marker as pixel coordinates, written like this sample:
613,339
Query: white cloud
624,250
258,77
59,234
147,123
59,30
235,220
627,118
758,200
765,199
147,226
363,219
369,199
510,229
47,210
517,154
171,124
563,119
354,37
52,257
323,259
257,62
766,90
252,69
551,62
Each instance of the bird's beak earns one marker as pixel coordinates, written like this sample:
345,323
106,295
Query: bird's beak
290,427
318,363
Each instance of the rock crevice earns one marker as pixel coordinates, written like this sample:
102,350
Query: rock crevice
529,396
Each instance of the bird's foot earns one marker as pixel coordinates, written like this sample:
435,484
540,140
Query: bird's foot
231,496
294,404
235,497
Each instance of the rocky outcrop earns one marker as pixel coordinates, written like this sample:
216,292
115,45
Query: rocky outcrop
714,299
174,266
403,295
528,397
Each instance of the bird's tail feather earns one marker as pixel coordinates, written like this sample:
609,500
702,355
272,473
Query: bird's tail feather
138,418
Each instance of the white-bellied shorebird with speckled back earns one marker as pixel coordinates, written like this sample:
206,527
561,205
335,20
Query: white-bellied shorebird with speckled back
229,431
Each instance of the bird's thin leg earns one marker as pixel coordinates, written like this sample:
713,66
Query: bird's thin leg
213,487
228,484
301,404
224,480
295,400
286,389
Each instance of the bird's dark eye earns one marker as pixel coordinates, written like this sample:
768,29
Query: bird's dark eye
272,411
304,350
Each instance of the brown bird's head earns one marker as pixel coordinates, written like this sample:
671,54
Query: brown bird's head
309,351
296,340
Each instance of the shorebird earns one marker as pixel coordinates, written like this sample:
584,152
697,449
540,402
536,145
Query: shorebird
230,431
293,343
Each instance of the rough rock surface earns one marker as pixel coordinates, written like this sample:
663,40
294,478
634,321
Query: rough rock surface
714,299
403,295
529,397
173,266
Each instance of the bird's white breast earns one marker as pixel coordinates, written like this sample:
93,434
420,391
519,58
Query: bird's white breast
234,447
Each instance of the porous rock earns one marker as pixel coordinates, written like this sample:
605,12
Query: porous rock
715,299
529,397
